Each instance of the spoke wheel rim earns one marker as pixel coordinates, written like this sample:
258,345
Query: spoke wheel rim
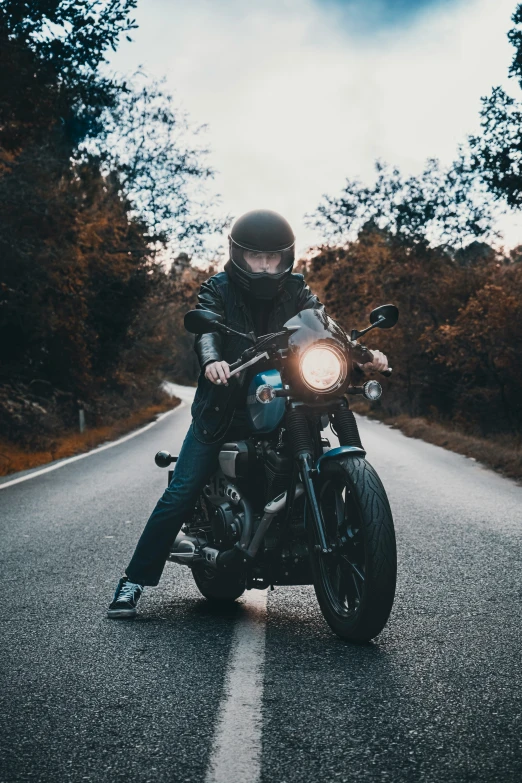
343,571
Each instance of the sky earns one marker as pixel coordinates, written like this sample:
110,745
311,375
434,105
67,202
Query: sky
299,95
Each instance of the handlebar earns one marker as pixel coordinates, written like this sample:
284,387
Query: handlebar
364,355
239,365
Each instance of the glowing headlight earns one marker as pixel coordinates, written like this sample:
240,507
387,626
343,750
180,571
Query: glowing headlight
322,369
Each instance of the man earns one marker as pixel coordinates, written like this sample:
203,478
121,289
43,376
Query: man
256,292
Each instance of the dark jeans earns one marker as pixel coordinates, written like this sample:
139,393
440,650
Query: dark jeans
196,463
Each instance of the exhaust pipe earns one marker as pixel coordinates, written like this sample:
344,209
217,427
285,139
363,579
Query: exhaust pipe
271,509
187,550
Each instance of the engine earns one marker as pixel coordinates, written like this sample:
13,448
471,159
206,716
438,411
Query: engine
226,525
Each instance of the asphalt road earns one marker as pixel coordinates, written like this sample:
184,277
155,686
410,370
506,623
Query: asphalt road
437,697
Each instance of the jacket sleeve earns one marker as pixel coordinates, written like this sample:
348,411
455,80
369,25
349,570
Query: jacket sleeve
208,346
306,300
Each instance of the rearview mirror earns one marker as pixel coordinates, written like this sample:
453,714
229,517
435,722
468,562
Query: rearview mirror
385,316
202,321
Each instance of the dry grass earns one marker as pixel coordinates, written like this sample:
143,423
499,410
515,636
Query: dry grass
14,459
502,453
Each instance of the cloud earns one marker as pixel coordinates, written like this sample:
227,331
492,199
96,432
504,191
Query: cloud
370,15
297,100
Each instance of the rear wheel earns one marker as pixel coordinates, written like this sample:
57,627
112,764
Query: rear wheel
355,583
220,588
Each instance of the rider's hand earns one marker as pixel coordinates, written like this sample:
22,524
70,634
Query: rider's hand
217,372
379,363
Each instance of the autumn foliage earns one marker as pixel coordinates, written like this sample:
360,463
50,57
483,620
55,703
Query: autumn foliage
455,351
89,315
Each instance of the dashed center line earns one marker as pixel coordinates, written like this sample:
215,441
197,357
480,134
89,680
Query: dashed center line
236,752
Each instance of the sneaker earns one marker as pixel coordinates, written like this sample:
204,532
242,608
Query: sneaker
125,599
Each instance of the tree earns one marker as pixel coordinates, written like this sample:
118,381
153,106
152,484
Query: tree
95,175
51,51
439,205
481,349
497,151
426,284
73,268
161,165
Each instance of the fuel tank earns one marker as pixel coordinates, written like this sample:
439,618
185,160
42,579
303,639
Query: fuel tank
265,414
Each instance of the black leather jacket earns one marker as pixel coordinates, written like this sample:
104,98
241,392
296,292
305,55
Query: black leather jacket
214,405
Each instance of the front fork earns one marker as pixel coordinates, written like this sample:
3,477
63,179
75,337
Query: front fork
307,471
302,443
303,447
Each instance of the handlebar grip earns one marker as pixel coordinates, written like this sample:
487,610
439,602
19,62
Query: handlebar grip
387,372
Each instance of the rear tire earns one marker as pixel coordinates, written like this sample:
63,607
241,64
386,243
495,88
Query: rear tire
355,584
218,588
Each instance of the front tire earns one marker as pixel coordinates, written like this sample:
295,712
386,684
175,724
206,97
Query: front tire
218,588
355,583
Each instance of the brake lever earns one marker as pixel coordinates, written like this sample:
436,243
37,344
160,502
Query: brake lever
257,358
266,338
246,364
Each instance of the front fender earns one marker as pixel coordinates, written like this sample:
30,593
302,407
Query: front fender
340,451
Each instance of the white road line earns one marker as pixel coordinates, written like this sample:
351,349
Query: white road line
90,453
236,753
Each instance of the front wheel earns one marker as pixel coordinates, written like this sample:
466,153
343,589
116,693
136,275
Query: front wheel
216,587
355,582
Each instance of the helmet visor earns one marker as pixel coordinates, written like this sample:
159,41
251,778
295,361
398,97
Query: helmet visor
263,262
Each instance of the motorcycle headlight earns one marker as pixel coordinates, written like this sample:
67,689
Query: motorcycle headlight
323,368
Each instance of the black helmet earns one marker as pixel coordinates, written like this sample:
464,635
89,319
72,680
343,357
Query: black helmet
265,232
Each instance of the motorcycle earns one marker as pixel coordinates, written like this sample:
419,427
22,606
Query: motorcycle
284,507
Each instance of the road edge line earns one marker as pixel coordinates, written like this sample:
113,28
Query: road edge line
96,450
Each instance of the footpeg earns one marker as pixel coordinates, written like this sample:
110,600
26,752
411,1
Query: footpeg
186,552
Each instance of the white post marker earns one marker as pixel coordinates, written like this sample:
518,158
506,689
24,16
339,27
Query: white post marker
236,751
